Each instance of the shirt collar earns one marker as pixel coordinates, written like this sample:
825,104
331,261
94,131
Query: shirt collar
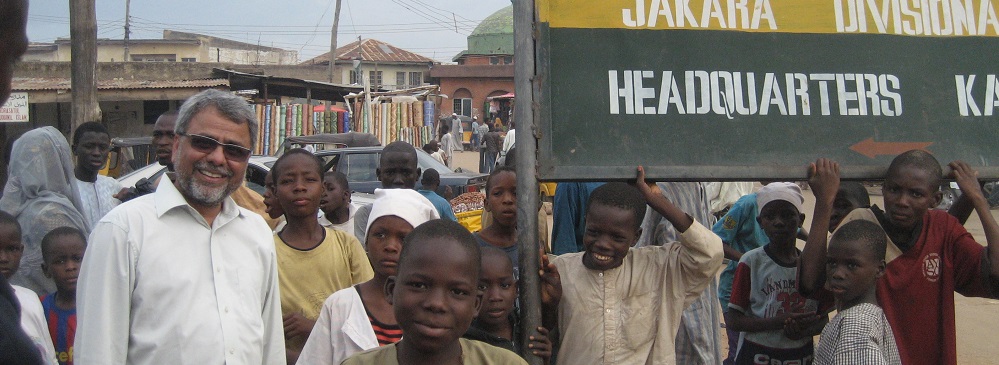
167,197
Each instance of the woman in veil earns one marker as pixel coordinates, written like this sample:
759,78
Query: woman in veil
41,194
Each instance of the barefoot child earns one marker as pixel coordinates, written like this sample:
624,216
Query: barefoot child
778,323
360,318
498,323
62,252
859,334
435,298
313,261
615,304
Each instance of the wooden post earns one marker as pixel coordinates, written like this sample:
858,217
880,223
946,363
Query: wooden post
336,22
527,182
83,33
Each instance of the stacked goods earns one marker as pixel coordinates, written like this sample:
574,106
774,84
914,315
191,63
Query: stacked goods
467,202
390,122
277,122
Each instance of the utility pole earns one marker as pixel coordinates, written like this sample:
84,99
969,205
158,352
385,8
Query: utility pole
83,36
127,31
336,24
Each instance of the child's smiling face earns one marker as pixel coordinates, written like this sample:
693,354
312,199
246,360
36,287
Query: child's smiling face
610,232
435,297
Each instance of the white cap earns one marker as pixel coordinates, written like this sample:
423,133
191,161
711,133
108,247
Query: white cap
407,204
786,191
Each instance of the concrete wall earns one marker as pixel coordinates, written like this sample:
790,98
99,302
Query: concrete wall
116,52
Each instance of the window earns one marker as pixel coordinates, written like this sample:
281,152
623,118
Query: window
151,110
508,60
188,59
494,60
360,167
375,79
463,106
354,79
400,80
415,79
154,58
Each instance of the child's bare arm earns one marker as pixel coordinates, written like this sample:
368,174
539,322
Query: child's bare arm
824,180
680,220
741,322
967,180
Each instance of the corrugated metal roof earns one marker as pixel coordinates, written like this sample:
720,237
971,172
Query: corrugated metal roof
371,50
37,84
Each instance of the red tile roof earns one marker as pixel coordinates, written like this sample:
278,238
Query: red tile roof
35,84
370,50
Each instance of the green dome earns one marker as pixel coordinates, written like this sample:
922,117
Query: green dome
501,22
494,35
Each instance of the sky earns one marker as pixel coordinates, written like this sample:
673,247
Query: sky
434,28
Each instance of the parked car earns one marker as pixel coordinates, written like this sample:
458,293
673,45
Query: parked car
359,164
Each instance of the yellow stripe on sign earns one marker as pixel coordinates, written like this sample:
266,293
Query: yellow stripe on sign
924,18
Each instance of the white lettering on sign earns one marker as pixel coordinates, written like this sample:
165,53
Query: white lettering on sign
735,14
15,109
917,17
967,93
735,93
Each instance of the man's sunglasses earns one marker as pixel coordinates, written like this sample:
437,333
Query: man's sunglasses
205,144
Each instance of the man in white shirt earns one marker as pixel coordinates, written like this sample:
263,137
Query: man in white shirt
91,145
184,275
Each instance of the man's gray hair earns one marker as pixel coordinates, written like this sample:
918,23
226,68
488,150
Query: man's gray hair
229,105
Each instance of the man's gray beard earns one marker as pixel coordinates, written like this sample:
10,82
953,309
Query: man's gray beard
202,195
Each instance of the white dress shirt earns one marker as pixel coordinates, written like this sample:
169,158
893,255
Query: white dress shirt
159,286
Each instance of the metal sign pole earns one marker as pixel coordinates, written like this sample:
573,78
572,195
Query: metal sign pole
527,182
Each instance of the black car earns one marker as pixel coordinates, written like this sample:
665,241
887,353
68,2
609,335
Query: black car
359,164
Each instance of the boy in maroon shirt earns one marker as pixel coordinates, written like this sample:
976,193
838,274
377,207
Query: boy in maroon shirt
930,255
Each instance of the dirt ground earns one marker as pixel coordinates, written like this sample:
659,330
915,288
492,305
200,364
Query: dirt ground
977,318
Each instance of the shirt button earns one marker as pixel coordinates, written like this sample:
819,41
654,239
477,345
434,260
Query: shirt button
226,309
600,274
218,269
231,351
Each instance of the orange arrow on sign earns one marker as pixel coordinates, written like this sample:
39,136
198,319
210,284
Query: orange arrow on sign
871,148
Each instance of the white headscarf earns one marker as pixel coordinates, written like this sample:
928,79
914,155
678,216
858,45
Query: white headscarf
407,204
41,193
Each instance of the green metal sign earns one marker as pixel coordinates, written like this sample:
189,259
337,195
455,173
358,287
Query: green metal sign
749,89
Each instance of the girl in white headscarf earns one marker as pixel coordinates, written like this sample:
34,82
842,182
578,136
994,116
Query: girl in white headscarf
41,194
360,318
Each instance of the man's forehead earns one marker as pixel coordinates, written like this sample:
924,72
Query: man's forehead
211,123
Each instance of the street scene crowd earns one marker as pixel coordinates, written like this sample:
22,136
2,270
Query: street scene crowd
198,269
